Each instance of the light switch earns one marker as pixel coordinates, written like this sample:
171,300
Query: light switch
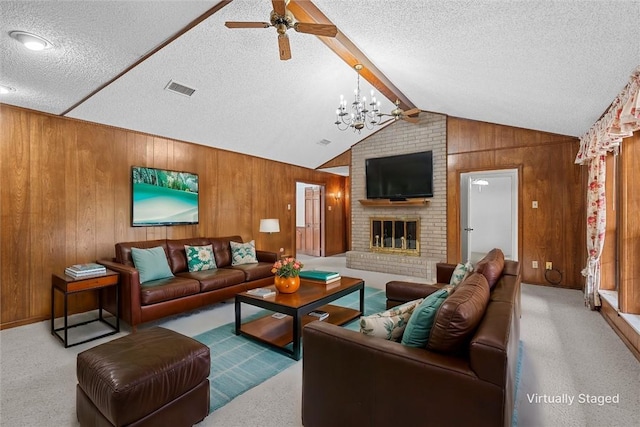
288,206
534,204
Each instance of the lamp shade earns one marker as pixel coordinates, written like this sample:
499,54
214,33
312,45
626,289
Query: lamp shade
270,225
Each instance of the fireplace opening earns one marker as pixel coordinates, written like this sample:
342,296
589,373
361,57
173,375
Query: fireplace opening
395,235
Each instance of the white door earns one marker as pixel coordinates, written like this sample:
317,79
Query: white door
489,213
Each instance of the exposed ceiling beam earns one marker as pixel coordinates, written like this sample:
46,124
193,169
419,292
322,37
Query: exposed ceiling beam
189,26
306,11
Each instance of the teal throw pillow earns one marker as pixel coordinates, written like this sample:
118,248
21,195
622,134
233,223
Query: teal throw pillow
389,324
200,258
243,253
151,263
460,273
416,334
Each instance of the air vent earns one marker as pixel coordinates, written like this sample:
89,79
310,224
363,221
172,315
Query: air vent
179,88
324,142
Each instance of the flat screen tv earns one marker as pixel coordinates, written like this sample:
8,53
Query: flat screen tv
400,177
163,197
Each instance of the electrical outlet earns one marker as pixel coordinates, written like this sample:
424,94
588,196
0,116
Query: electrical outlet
549,265
534,264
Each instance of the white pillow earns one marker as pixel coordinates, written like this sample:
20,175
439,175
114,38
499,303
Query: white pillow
389,324
243,253
460,273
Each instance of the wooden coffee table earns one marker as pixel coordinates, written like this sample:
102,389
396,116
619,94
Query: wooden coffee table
279,333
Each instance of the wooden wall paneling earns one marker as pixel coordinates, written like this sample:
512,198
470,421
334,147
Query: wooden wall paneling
234,197
70,200
547,175
121,176
15,298
48,208
105,173
90,146
574,204
629,227
334,214
208,194
608,256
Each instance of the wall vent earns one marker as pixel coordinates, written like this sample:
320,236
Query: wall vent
324,142
179,88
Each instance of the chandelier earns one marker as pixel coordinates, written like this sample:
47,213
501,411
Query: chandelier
360,114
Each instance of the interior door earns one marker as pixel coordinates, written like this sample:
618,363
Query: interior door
312,211
489,213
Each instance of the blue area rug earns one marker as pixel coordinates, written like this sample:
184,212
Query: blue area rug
239,364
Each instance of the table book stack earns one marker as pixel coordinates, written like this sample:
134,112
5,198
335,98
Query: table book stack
325,277
79,271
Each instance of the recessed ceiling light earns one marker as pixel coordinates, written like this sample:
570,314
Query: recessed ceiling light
6,89
31,41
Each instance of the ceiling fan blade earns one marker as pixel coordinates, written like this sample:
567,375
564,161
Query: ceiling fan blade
410,119
411,112
325,30
279,7
386,121
234,24
283,45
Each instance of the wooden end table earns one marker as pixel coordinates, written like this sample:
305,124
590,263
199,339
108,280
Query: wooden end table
279,333
67,285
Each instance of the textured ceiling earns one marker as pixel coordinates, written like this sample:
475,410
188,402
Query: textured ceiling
551,66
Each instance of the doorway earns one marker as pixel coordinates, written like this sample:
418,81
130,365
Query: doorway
309,219
489,213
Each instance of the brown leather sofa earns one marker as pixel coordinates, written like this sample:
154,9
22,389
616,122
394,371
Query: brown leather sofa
140,303
353,379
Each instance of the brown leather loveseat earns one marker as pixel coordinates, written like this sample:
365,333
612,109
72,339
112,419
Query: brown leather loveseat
140,303
353,379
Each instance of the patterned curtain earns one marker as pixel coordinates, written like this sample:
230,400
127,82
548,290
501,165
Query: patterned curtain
620,121
596,227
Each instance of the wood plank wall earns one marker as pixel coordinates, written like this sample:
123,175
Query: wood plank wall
556,230
629,226
65,198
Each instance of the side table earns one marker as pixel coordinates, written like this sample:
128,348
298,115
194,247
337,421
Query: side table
67,285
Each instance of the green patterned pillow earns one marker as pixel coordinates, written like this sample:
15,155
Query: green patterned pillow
460,273
243,253
200,258
419,326
389,324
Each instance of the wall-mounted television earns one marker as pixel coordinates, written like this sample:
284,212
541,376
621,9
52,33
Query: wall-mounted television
163,197
400,177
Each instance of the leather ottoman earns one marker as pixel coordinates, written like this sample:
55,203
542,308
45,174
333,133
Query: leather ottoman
155,377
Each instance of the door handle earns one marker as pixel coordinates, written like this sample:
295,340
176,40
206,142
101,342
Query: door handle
468,229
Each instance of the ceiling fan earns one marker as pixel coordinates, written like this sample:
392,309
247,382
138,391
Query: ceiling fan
397,113
282,19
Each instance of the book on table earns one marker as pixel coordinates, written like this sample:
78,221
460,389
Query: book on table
320,314
320,276
85,270
261,292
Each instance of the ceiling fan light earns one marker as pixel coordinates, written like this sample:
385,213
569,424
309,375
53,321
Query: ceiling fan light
31,41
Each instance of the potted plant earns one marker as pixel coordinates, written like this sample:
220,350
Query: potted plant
287,271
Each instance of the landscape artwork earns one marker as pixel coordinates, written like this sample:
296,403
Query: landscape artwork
163,197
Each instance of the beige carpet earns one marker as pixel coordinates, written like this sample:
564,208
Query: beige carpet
568,352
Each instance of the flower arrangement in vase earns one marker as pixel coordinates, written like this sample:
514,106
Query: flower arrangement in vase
287,279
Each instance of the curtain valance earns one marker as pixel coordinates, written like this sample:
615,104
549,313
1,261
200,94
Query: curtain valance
620,121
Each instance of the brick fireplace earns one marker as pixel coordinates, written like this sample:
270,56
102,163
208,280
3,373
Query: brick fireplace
430,217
